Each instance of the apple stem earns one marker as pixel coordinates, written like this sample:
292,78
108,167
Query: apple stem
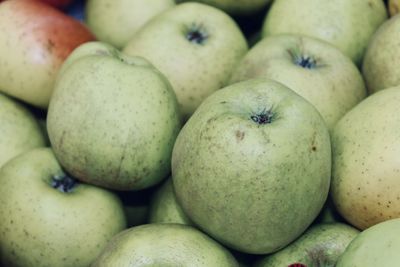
63,183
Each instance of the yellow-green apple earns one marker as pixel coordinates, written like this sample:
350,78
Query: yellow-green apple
252,166
49,219
164,208
346,24
366,169
321,245
20,130
375,246
394,7
113,119
382,57
116,21
164,245
314,69
235,7
195,46
35,38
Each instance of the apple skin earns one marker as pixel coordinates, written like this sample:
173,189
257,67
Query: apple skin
35,38
380,67
116,21
113,119
376,246
328,79
235,7
394,7
42,226
62,4
164,245
349,29
196,68
320,245
20,131
365,170
253,186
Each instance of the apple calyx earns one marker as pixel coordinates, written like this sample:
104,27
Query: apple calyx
264,117
306,62
63,183
197,34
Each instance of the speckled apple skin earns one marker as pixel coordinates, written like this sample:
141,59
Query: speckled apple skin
321,243
41,226
253,187
164,208
20,131
366,171
235,7
34,41
348,25
113,120
380,66
166,245
333,86
194,70
375,246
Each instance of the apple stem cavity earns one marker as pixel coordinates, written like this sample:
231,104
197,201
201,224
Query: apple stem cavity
63,183
264,117
197,34
306,62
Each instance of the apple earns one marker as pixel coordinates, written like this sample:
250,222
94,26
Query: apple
394,7
365,171
20,131
113,119
320,245
35,38
116,21
58,3
380,66
314,69
348,25
164,245
201,45
252,166
376,246
235,7
164,208
48,218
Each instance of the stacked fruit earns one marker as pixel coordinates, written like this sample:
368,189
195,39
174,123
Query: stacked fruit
207,133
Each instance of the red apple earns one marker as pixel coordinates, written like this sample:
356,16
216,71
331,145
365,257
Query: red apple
35,39
58,3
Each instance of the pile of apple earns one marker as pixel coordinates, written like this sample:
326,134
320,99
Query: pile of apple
206,133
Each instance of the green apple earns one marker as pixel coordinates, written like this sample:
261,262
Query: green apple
346,24
376,246
164,245
164,208
314,69
380,67
20,130
365,170
252,166
113,119
235,7
321,245
196,46
35,38
116,21
49,219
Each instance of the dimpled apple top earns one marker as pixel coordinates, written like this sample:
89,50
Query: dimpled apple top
235,7
314,69
347,24
113,119
200,47
166,245
366,160
252,166
34,41
20,130
321,245
376,246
